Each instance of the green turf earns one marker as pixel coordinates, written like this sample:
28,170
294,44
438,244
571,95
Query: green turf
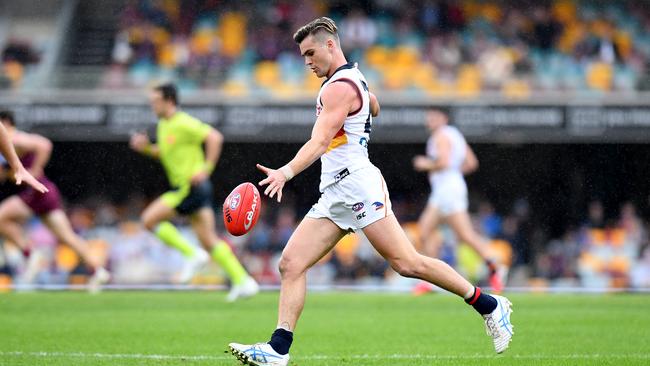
193,328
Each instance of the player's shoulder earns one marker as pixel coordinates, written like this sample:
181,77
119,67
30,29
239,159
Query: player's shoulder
185,118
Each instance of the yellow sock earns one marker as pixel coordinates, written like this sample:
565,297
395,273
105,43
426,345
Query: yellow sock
223,255
169,235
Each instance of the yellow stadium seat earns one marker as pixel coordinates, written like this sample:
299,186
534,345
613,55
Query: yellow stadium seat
538,284
160,36
600,76
574,32
516,89
347,247
377,56
5,283
590,261
491,12
468,83
202,42
311,82
78,279
14,71
503,251
617,237
66,258
396,78
619,264
405,56
235,88
564,11
623,41
267,73
424,76
412,231
471,9
232,31
597,236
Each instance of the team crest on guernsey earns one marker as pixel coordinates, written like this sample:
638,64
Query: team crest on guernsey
378,205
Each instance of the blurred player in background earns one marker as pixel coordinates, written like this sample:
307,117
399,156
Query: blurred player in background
354,197
448,158
11,158
179,147
34,153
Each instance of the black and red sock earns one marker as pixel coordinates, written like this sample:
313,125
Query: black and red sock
281,341
483,303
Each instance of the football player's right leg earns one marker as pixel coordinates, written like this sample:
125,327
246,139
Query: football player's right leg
313,238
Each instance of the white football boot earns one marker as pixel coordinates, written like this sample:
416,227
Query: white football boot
245,289
193,265
100,277
497,324
260,354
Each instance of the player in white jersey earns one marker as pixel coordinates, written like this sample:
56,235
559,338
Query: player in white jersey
448,158
354,197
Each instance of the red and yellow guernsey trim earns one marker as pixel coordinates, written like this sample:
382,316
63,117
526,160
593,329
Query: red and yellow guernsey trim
339,139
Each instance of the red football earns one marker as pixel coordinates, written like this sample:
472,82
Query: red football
241,209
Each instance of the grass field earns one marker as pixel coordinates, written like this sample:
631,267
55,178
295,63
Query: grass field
193,328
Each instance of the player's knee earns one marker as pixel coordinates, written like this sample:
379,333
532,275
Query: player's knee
289,266
409,267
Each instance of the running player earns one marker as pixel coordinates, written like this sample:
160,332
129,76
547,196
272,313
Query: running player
179,147
9,155
448,158
354,197
34,152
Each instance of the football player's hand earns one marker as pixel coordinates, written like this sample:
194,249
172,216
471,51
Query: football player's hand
421,163
275,179
138,142
22,175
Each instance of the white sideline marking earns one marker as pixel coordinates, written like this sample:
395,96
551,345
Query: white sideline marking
138,356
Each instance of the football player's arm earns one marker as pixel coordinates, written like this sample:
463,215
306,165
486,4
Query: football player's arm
374,105
338,100
40,146
7,149
140,143
20,173
423,163
470,164
213,145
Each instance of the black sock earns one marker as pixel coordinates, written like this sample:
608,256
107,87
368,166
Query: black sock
281,341
483,303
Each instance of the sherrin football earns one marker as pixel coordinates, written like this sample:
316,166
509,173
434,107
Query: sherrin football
241,209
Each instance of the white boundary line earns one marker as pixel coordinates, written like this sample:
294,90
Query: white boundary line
138,356
316,288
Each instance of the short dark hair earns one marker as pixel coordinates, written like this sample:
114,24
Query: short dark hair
322,24
8,116
169,92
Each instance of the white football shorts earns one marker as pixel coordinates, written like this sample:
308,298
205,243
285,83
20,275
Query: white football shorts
355,201
449,199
